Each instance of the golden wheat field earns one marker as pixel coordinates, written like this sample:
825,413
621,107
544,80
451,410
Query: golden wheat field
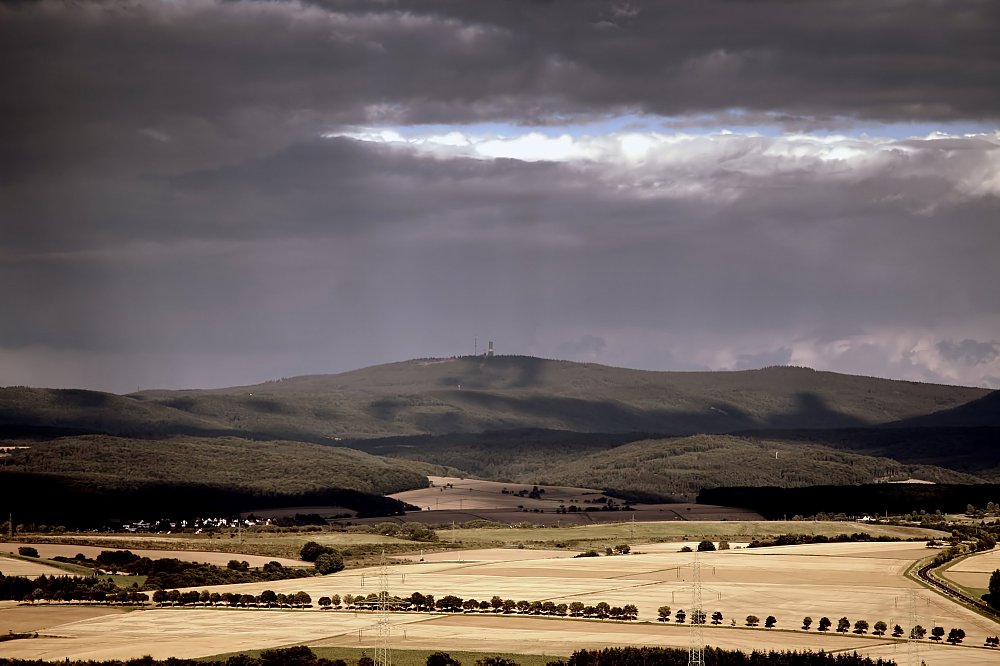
853,580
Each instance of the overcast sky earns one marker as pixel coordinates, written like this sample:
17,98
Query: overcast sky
199,193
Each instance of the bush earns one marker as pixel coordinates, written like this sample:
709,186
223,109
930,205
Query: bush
311,550
329,562
27,551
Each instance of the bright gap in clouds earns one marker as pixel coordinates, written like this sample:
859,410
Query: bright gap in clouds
530,142
635,138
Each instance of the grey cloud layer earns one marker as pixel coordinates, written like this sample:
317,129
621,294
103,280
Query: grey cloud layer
169,212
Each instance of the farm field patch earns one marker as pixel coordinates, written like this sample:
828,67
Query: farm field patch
11,566
50,550
18,618
974,572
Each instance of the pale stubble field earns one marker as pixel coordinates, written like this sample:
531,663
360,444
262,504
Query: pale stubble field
856,580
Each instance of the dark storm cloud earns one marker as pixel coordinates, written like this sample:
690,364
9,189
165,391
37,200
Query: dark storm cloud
169,213
83,76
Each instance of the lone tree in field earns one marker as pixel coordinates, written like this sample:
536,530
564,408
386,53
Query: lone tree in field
770,622
680,615
705,546
752,620
807,622
861,627
937,633
717,617
956,636
880,627
843,625
897,631
824,623
663,613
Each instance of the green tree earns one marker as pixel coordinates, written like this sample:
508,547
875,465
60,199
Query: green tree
843,625
880,628
329,562
897,631
706,545
770,622
495,661
324,602
441,659
752,620
717,617
27,551
680,616
824,623
861,627
937,633
807,622
993,598
576,607
918,632
663,613
956,636
268,597
311,550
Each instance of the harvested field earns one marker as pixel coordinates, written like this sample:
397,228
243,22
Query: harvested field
474,499
478,494
50,550
10,566
630,532
22,618
974,572
859,581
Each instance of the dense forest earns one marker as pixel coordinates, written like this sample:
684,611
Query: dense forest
74,502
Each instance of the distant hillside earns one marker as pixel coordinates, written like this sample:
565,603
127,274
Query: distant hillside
982,412
89,480
517,418
675,467
474,394
269,466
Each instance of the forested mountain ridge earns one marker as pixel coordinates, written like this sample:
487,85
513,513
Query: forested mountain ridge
521,419
475,394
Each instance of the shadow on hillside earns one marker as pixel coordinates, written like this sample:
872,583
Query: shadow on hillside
480,410
812,411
